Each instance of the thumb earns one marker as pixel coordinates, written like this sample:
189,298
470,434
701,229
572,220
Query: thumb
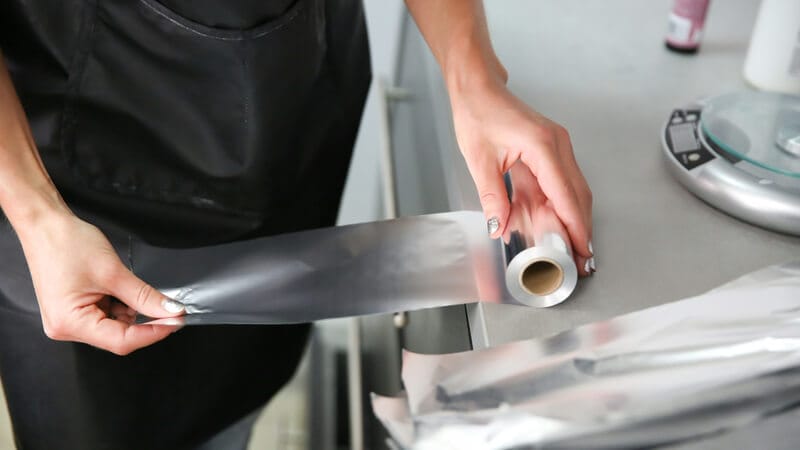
492,193
142,297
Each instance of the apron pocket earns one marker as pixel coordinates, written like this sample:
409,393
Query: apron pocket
169,110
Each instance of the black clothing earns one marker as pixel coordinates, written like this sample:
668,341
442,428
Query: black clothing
184,123
162,123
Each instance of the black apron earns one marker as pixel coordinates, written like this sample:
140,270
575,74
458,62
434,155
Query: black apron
183,123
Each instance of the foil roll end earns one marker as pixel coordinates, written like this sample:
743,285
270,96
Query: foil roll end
544,275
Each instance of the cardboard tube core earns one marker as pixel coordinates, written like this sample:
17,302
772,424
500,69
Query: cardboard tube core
542,277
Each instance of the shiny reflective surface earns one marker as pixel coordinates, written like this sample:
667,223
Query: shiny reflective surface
397,265
540,270
661,375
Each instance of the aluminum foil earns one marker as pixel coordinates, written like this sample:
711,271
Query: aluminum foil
540,270
390,266
662,375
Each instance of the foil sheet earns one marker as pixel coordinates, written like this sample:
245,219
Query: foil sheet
658,376
371,268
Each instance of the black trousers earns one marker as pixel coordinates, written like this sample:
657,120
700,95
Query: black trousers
174,394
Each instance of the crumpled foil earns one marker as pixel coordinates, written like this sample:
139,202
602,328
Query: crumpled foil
662,375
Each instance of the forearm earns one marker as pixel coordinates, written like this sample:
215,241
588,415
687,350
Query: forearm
495,130
458,36
27,195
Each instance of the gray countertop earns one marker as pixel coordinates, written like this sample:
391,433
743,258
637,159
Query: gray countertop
600,68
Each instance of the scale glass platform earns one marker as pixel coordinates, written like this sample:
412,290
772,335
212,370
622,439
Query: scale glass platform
740,152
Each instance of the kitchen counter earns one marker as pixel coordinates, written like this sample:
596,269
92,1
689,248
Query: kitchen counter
601,70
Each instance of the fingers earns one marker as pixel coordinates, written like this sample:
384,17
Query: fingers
557,185
137,294
579,183
122,312
75,301
91,325
586,265
122,338
544,219
488,176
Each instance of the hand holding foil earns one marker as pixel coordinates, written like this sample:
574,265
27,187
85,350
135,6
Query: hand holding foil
496,131
75,273
537,254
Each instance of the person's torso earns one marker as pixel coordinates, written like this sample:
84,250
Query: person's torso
229,14
171,112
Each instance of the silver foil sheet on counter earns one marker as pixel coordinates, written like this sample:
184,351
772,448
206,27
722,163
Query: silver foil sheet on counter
662,375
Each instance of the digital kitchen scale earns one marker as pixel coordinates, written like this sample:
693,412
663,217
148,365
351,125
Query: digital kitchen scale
741,153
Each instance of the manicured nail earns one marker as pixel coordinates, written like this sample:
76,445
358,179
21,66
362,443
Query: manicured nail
493,225
591,264
591,250
176,322
170,321
172,306
587,266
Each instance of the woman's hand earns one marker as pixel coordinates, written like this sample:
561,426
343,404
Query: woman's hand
76,272
494,130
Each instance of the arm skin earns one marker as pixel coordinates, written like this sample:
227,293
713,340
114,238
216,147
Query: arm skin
496,130
73,266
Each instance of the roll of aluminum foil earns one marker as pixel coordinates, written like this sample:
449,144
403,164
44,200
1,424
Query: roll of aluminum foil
371,268
540,270
654,377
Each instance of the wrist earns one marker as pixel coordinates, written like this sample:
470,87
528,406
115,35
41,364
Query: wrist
30,210
473,70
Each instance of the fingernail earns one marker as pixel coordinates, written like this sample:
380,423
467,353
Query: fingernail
591,264
172,306
587,266
493,225
172,321
591,250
